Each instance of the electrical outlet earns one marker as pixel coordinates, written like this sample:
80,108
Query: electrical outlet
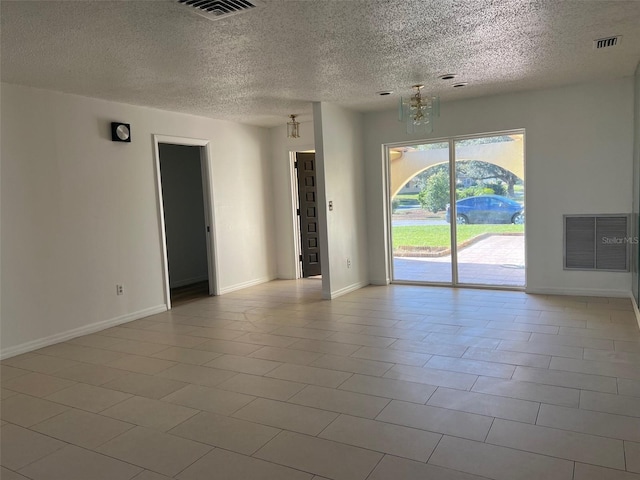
348,263
119,289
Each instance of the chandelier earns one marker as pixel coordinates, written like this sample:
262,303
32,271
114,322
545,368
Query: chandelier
293,127
419,111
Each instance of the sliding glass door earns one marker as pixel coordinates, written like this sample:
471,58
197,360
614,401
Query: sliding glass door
457,211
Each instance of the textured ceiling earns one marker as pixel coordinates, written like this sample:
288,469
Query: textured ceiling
261,65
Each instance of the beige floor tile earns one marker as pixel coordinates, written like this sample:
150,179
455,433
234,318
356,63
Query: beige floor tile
334,326
88,397
209,377
253,366
81,354
474,367
629,387
215,333
231,348
91,374
266,339
363,340
233,466
581,447
632,455
138,364
37,384
41,364
149,475
340,401
569,397
321,457
566,379
586,421
392,356
81,428
609,403
135,347
389,388
224,432
286,355
382,437
591,472
301,332
73,462
209,399
435,419
26,411
466,340
151,413
498,463
611,356
631,371
321,346
310,375
482,404
541,348
20,446
95,340
287,416
4,393
431,376
353,365
155,451
572,341
262,387
6,474
429,348
395,468
511,358
524,327
7,372
187,355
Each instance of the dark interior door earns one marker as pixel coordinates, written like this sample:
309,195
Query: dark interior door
308,213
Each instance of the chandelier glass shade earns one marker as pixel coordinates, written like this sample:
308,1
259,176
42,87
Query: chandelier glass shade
419,111
293,127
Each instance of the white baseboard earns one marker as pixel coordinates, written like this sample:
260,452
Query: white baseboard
78,332
580,292
347,289
635,308
250,283
188,281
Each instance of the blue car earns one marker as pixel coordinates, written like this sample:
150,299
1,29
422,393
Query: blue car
487,209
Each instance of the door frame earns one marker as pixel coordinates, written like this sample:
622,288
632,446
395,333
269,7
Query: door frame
450,140
295,199
208,202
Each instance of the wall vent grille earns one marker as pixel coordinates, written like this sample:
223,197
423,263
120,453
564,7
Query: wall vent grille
607,42
597,242
216,9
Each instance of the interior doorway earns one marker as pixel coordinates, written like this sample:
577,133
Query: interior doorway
306,186
457,211
186,219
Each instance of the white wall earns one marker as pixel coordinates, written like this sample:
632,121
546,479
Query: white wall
579,150
285,218
184,217
340,165
79,212
635,249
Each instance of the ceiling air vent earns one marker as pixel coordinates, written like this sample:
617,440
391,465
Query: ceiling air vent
607,42
215,9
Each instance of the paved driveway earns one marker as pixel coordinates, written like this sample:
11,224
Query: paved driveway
496,260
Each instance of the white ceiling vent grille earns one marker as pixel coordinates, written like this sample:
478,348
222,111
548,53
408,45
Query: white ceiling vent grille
607,42
597,242
215,9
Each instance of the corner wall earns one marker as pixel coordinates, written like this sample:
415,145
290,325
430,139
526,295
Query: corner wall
578,158
79,212
340,165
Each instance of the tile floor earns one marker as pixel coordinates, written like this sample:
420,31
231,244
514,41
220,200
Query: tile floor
385,383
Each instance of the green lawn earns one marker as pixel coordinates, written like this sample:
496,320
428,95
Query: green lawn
439,236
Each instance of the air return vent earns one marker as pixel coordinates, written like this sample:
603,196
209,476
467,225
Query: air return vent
607,42
597,242
215,9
